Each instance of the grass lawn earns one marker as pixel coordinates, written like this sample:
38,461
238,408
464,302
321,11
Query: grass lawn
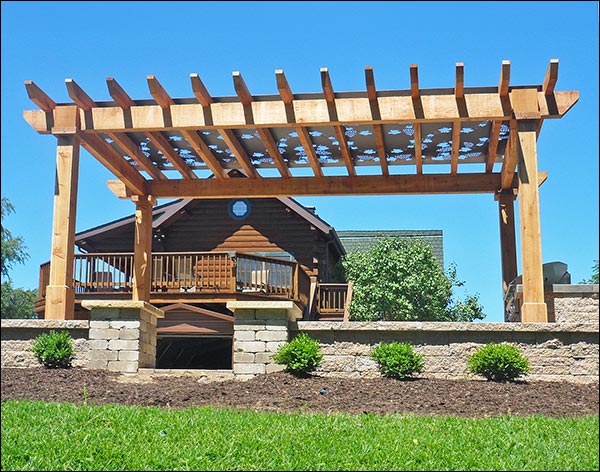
52,436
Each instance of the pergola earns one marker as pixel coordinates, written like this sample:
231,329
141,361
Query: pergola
369,142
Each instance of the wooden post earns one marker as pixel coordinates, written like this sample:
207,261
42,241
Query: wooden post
508,245
142,252
534,308
347,302
60,297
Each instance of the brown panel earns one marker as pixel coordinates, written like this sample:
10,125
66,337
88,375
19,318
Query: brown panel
182,321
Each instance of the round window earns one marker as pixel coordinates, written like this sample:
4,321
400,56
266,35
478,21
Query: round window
239,209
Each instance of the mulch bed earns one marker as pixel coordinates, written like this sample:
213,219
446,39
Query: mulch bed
283,392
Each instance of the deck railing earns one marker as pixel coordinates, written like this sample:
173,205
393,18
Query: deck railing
225,272
332,298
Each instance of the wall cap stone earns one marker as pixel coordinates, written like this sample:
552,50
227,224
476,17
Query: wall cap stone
124,304
568,288
45,324
447,326
293,312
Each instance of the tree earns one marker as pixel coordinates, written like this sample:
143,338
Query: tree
13,248
595,275
16,302
401,280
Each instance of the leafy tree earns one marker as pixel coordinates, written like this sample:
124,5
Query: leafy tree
16,302
13,248
401,280
595,275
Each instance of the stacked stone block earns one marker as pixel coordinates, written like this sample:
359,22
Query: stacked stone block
259,330
556,352
18,337
122,335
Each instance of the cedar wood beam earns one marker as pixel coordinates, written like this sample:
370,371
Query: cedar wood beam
503,85
377,129
107,155
329,185
313,112
125,102
290,112
205,99
339,131
165,101
241,89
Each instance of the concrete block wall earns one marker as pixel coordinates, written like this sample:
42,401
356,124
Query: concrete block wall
122,335
259,330
19,335
560,352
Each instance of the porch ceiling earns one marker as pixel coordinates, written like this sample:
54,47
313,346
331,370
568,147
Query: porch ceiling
364,142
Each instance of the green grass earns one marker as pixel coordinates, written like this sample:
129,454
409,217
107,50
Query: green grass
52,436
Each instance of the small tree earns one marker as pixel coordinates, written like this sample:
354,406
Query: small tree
400,279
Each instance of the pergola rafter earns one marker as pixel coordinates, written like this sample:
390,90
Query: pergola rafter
143,141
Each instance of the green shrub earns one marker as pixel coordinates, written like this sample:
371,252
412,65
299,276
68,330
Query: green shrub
54,349
498,362
397,360
300,356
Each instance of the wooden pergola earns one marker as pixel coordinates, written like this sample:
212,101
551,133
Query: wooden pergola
369,142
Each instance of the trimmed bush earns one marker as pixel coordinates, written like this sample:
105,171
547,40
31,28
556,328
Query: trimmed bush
54,349
300,356
397,360
498,362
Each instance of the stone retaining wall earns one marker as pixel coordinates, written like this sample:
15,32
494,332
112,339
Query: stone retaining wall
121,336
18,336
564,352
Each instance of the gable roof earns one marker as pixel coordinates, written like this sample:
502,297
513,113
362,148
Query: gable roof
362,241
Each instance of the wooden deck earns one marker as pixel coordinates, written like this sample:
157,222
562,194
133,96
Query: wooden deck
200,277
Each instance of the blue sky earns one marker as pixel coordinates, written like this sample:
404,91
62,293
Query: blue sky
48,42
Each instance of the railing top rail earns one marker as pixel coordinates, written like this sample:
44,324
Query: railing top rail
195,253
333,285
230,254
243,255
102,254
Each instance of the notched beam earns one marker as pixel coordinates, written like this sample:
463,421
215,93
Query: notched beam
338,129
39,97
118,94
551,77
79,96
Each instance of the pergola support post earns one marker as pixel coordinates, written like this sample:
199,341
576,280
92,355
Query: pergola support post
142,253
534,308
508,244
60,296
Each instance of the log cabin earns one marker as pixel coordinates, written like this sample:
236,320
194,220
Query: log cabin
206,252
